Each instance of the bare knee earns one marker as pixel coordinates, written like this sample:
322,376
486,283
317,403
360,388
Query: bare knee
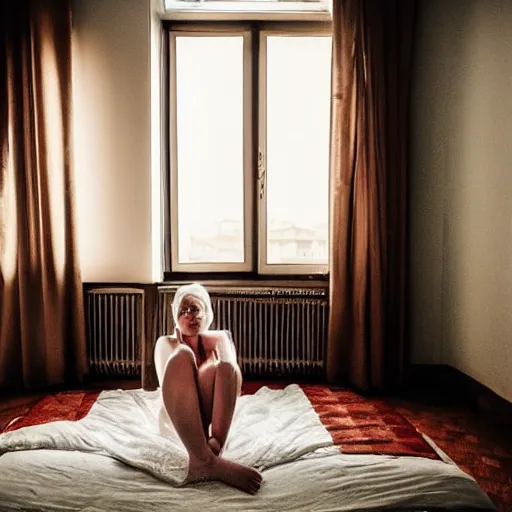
230,372
206,372
182,354
178,360
206,380
227,369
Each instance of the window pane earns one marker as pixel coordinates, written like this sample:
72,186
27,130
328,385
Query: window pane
298,124
209,79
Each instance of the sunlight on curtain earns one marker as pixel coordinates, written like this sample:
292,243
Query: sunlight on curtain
53,123
42,332
8,220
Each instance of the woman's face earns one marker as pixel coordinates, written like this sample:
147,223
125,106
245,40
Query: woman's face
190,316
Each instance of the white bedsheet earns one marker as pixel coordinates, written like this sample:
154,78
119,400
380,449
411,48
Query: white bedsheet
270,427
75,466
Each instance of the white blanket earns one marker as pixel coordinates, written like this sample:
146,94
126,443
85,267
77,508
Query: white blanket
269,428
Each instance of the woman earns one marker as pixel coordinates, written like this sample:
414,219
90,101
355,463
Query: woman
200,381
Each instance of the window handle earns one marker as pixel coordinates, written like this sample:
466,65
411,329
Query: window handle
261,173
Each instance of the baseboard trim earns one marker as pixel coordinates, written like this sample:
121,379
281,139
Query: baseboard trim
444,383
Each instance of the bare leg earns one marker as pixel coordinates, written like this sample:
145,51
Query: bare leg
181,400
206,383
219,386
228,383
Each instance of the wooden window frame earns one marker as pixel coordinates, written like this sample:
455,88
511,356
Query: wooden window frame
254,34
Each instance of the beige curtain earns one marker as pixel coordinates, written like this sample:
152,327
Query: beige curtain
372,42
42,340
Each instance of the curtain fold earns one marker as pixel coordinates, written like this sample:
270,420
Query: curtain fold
42,335
372,42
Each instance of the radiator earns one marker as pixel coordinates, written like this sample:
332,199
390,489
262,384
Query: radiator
115,330
277,332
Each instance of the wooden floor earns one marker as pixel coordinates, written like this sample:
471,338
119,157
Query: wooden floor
481,444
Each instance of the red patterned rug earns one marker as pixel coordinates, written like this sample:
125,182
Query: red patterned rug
67,405
362,425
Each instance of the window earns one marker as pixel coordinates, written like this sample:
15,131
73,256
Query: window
249,147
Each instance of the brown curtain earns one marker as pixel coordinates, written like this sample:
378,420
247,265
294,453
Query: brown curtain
42,340
370,93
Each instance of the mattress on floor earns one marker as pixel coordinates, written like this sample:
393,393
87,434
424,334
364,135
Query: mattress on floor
114,460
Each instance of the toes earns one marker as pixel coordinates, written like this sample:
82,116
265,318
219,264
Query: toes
255,484
258,478
254,487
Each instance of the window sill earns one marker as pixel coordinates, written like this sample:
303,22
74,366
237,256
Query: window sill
245,279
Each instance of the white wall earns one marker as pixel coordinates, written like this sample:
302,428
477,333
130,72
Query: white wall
461,189
111,102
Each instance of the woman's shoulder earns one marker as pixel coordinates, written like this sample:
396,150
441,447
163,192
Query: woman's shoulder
164,341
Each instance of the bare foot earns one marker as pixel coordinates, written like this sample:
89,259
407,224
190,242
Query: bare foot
236,475
214,445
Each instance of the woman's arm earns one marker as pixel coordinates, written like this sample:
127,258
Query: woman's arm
226,348
222,344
